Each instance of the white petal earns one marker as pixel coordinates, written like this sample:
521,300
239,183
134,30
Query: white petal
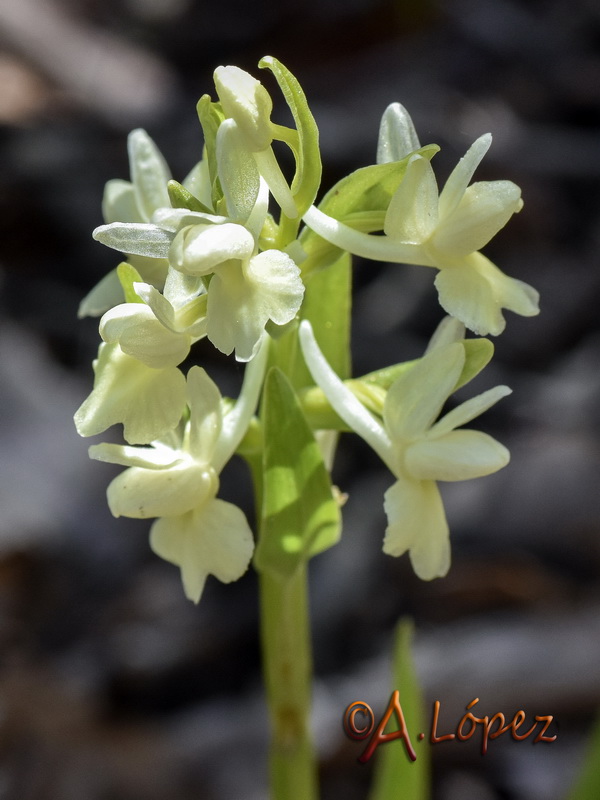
119,203
484,209
461,175
105,294
181,289
152,270
232,323
258,216
197,181
214,539
397,135
448,331
149,173
476,291
143,337
238,172
416,398
276,282
468,410
199,249
248,102
343,401
511,293
168,539
139,238
456,456
205,414
157,303
242,298
412,214
417,523
149,402
157,457
226,544
172,219
142,493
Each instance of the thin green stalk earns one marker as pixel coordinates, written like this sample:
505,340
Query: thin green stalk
287,664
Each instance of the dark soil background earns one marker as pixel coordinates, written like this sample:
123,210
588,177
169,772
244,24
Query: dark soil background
112,685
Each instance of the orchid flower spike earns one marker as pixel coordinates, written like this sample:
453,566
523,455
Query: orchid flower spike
177,480
418,451
445,232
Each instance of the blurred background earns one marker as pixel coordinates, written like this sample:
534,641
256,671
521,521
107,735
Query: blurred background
112,685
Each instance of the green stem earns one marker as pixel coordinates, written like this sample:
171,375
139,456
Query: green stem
288,668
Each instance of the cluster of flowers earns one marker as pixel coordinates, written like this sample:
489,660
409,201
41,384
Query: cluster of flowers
207,258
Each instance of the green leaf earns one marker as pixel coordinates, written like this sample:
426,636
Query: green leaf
307,179
300,517
587,785
129,275
180,197
395,775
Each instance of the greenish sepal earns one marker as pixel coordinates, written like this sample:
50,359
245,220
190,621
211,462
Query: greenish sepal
478,353
307,179
180,197
300,516
129,275
396,775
